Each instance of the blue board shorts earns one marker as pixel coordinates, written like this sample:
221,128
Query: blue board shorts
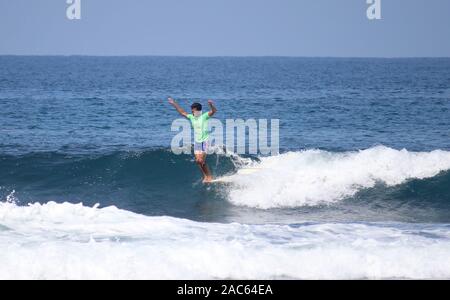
201,147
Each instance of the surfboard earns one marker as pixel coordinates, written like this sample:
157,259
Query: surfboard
224,179
231,178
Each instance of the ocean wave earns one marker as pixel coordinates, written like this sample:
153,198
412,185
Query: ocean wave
72,241
316,177
159,181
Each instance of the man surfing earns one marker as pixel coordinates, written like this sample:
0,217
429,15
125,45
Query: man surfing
199,121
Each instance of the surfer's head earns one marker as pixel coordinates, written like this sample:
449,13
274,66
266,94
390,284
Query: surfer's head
196,108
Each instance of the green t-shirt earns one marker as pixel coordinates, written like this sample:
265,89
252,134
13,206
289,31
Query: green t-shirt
200,125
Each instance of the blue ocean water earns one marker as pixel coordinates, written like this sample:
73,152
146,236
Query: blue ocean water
85,104
365,154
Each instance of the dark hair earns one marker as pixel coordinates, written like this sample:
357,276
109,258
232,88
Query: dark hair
197,106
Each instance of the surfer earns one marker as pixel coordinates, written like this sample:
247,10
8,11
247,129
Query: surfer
199,121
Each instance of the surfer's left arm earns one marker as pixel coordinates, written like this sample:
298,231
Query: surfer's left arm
212,107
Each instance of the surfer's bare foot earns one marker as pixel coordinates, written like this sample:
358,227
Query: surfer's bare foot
207,179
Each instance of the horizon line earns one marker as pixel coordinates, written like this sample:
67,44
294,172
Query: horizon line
226,56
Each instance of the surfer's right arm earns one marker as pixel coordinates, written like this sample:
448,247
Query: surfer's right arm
177,107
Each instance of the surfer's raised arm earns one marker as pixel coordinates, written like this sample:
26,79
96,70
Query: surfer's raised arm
177,107
213,108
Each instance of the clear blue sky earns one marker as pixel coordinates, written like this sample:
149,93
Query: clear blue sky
409,28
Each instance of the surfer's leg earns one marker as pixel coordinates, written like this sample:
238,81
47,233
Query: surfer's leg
199,160
200,150
198,157
208,176
205,146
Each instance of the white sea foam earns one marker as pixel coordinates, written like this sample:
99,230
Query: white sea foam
60,241
314,177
